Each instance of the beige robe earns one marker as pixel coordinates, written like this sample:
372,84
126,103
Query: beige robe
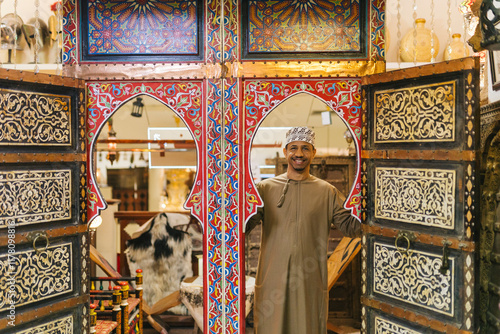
291,286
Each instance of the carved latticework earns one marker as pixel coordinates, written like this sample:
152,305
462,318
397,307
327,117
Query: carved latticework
34,118
416,114
38,274
417,196
414,277
43,183
59,326
384,326
35,196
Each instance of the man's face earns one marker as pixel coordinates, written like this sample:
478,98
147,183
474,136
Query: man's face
299,154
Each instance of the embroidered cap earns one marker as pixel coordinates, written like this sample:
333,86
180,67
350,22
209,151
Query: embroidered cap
300,133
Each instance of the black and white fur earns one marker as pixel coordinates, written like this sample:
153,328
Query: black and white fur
164,255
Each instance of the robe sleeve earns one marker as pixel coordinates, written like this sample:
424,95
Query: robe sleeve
258,217
348,224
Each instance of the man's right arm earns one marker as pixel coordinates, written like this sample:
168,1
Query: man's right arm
254,220
259,215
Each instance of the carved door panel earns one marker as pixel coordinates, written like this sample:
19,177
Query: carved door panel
43,231
419,197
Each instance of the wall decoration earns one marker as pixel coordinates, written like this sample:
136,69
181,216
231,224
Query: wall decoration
377,30
231,30
233,270
70,32
304,29
214,258
153,30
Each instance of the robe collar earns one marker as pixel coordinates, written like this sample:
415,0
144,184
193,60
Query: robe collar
285,189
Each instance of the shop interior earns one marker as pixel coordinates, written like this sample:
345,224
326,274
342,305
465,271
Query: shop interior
146,158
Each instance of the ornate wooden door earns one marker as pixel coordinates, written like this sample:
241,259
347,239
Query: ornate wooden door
420,192
246,57
44,255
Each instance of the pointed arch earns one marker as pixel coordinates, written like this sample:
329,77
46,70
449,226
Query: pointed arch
263,96
183,97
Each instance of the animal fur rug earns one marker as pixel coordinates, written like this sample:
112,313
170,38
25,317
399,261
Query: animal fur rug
164,255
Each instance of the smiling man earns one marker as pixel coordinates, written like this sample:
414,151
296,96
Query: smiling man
291,292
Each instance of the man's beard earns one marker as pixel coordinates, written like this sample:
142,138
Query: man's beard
299,169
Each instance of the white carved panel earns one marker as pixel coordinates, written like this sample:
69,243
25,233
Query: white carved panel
414,278
416,196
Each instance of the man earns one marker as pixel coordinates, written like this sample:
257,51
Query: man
291,292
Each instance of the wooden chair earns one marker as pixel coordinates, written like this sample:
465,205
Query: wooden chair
104,325
148,312
118,308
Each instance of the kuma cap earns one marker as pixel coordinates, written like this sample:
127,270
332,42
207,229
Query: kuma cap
300,133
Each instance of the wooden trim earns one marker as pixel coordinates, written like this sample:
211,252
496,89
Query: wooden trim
41,78
433,240
41,157
50,233
469,63
160,71
135,214
142,214
245,69
305,68
441,155
41,312
413,317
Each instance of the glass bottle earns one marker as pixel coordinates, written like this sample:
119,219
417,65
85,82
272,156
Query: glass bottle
422,50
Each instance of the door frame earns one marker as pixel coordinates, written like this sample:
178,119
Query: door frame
224,74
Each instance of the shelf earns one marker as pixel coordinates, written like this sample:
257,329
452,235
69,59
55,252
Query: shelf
395,66
44,68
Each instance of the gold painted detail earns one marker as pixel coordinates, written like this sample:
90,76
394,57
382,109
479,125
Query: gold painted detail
384,326
34,118
416,196
35,196
59,326
416,114
299,69
414,278
36,275
246,69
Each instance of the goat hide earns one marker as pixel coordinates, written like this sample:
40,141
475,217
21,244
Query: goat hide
164,255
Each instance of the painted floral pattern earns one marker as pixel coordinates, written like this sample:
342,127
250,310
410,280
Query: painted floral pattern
304,26
142,26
